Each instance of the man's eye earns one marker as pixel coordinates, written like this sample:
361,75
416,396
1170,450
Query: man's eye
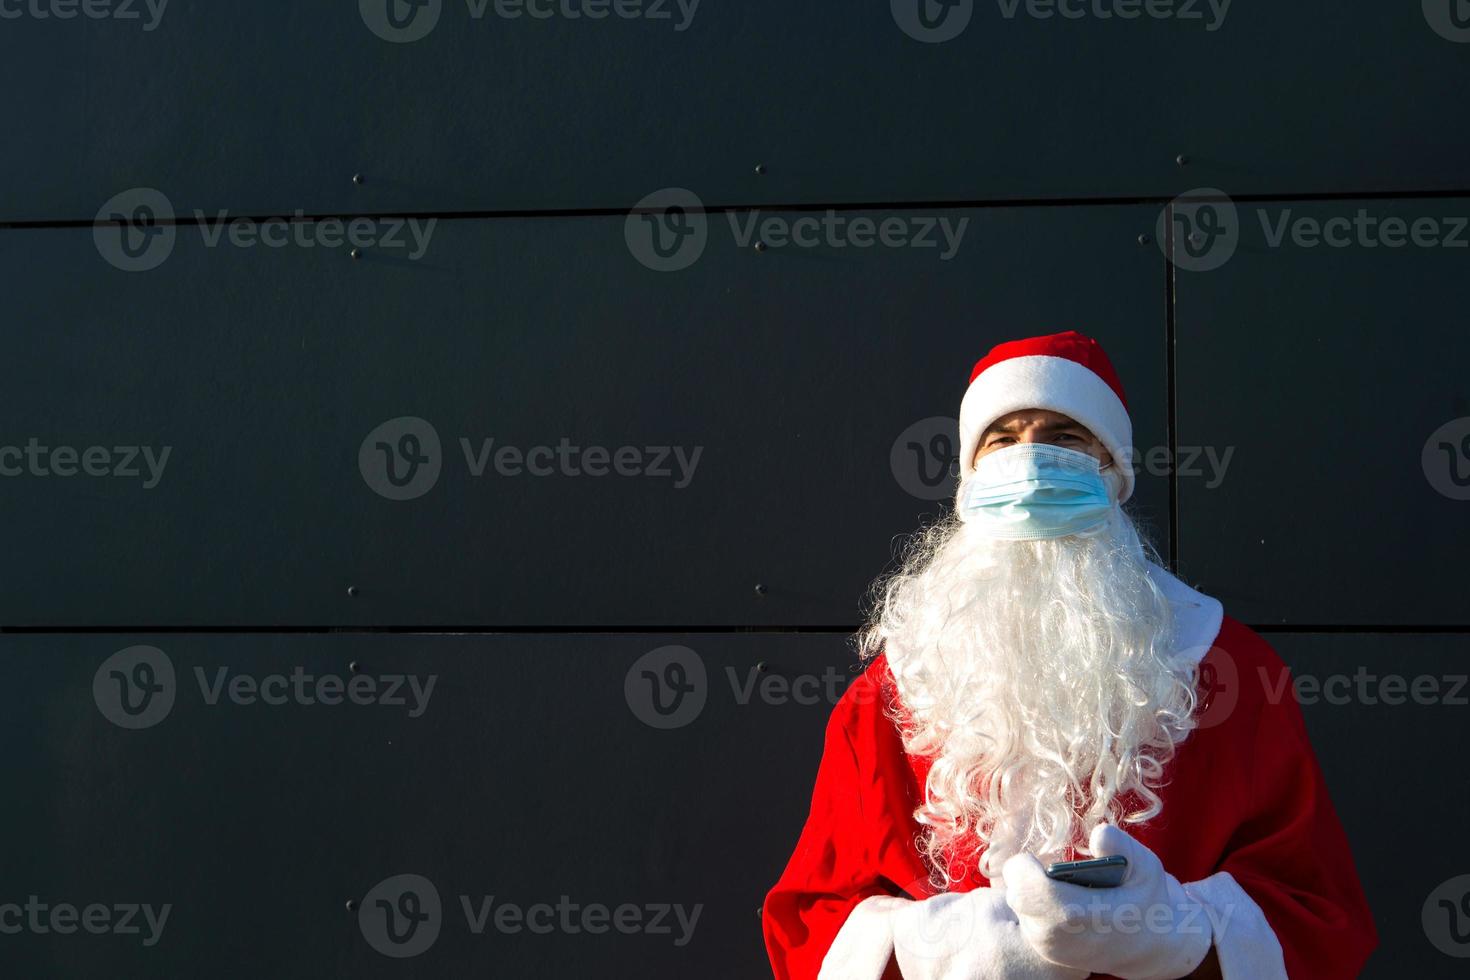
1001,440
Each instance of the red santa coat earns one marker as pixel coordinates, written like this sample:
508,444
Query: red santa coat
1244,794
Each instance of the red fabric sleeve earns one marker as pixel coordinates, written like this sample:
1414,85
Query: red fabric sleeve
855,843
1289,852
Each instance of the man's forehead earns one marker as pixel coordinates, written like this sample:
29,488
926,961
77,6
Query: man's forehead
1028,418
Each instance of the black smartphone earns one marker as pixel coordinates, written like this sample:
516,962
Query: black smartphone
1103,872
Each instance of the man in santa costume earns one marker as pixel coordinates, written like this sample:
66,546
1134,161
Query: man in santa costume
1039,692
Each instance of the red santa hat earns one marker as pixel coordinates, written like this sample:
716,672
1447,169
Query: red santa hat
1061,372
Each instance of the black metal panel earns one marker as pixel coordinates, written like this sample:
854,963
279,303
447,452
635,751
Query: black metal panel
270,106
533,767
538,767
802,378
1335,374
1381,710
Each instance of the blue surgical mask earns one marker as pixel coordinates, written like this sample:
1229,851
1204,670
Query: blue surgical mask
1032,491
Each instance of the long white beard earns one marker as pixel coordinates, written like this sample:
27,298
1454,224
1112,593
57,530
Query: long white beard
1040,678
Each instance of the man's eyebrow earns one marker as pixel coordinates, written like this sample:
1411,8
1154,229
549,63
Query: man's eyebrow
1045,426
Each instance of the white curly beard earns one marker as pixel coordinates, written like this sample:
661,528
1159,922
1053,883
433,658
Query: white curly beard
1040,678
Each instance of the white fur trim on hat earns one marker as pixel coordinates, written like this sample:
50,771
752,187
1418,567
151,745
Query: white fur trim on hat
1055,384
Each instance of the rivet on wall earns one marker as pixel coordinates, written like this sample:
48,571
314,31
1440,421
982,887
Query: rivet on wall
1181,159
760,169
760,246
356,253
358,179
1143,239
760,589
352,590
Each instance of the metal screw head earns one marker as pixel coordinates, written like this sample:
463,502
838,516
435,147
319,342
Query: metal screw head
1181,159
760,168
1143,239
760,589
352,590
351,905
358,179
762,667
354,666
760,246
356,253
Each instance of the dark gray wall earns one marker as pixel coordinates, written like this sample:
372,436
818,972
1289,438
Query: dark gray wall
733,445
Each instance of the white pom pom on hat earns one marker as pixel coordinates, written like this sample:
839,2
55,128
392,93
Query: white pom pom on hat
1061,372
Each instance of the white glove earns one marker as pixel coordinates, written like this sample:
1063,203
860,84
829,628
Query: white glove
968,936
1148,928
